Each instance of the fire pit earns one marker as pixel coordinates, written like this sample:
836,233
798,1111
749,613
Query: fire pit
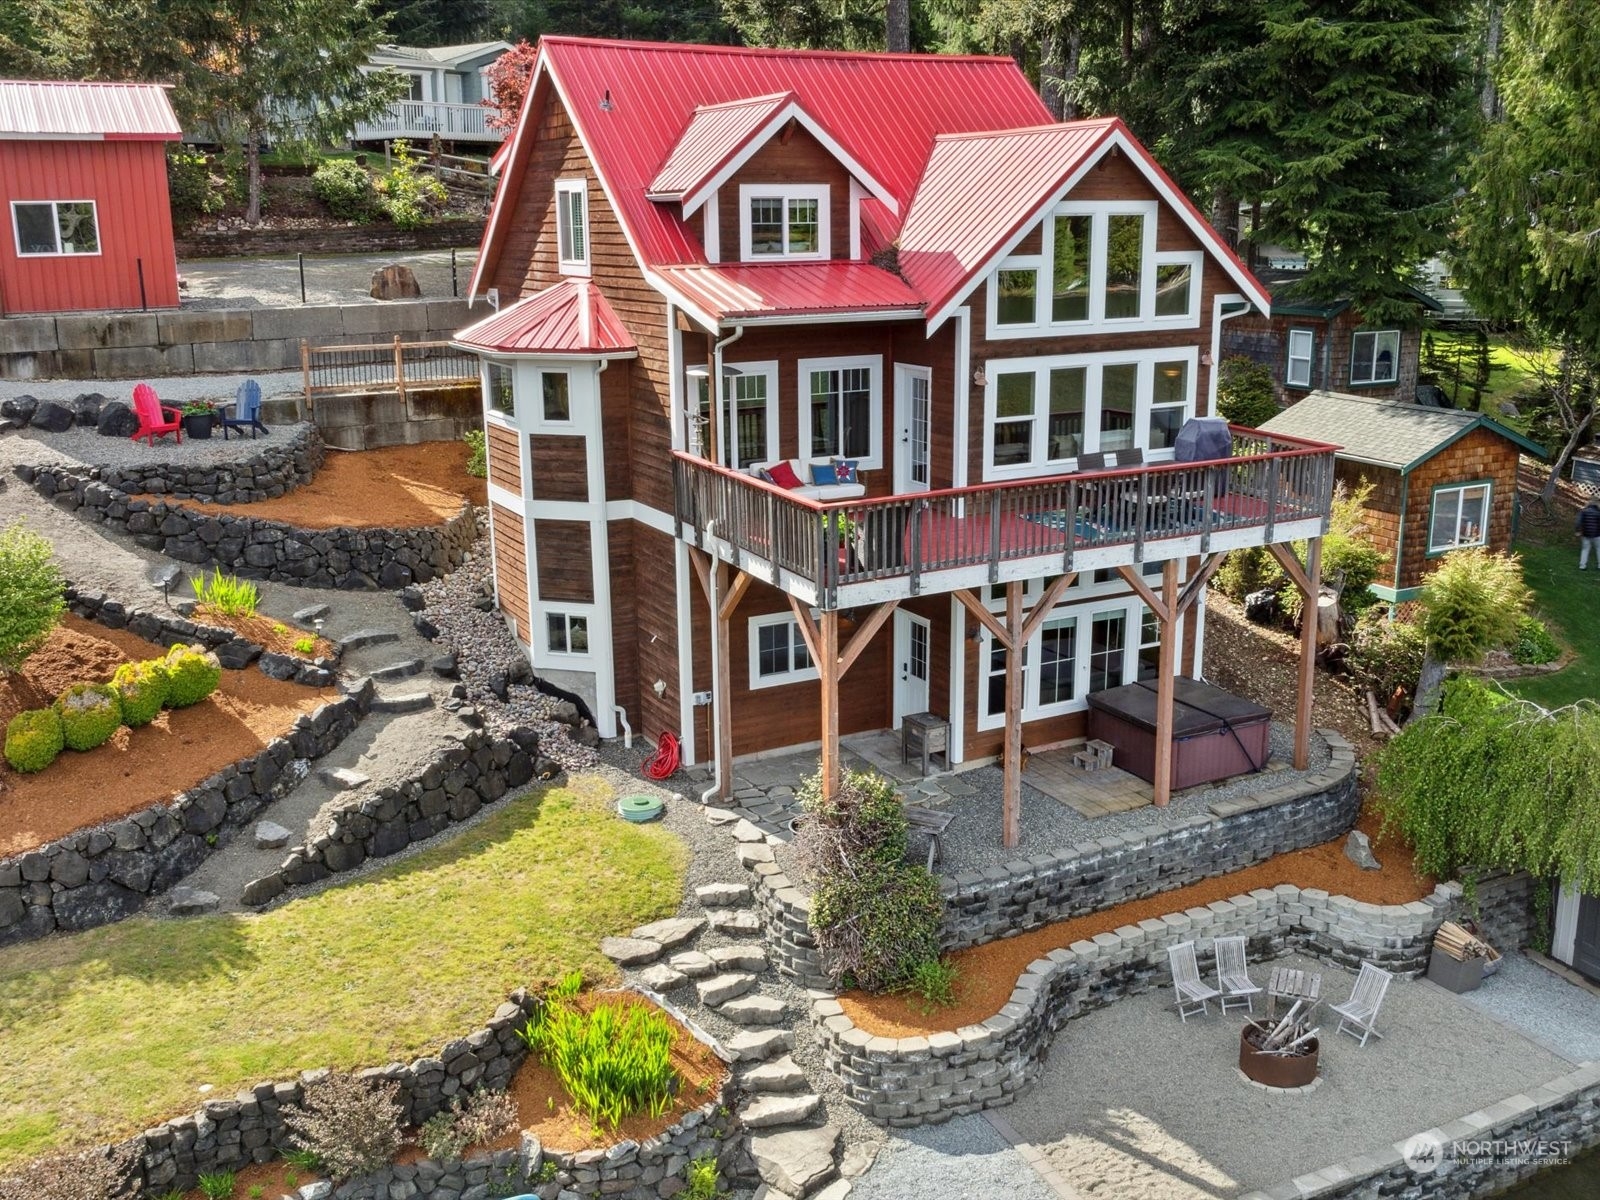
1281,1054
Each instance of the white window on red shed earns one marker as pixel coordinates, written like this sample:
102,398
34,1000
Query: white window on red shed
54,227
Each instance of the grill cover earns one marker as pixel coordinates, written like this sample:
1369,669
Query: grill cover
1203,439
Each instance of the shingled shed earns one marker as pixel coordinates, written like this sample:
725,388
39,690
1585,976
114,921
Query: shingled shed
1442,479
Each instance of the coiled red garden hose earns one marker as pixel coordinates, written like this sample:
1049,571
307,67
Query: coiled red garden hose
665,761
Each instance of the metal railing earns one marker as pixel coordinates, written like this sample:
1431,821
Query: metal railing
1267,482
426,118
382,367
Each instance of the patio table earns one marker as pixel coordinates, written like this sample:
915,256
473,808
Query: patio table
1286,983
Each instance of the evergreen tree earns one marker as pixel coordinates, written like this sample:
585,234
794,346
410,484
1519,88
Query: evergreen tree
837,25
435,22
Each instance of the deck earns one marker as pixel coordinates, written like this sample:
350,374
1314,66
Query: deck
422,120
841,554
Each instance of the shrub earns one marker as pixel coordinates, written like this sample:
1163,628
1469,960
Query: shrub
227,594
1244,392
346,189
142,689
195,188
32,594
85,1175
305,645
350,1125
194,675
90,713
1533,643
33,739
700,1180
865,821
488,1115
1385,654
408,196
478,459
934,980
1251,569
1472,603
614,1060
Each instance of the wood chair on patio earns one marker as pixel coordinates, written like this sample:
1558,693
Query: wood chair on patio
1233,974
1357,1014
155,418
246,411
1194,996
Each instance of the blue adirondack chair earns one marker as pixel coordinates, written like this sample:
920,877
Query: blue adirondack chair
246,411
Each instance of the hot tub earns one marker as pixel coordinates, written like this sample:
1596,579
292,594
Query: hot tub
1215,734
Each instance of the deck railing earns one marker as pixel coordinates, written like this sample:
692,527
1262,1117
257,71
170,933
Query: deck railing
422,119
383,367
1268,482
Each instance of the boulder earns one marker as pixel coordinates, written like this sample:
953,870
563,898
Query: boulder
1358,849
87,406
117,420
796,1161
270,835
20,408
191,902
1261,607
395,282
95,904
53,417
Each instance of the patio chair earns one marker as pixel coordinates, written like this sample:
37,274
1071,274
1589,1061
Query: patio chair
1233,975
246,411
1357,1014
1194,996
155,418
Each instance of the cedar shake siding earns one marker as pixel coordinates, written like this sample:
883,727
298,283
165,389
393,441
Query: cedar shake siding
792,156
1480,455
1266,341
1381,511
510,567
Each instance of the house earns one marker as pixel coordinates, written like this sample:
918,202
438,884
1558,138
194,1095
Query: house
1312,344
1442,479
1576,940
83,178
960,338
447,87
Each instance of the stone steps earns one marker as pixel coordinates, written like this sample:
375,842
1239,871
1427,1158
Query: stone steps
672,932
735,921
720,989
743,956
403,669
366,637
778,1075
760,1045
796,1162
694,964
723,895
755,1011
401,702
772,1109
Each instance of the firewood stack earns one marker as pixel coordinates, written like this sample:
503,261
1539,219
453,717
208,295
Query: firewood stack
1460,944
1290,1037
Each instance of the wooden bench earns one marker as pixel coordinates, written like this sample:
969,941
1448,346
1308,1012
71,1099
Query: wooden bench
932,823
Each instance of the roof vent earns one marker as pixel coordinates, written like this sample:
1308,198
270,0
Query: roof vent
605,102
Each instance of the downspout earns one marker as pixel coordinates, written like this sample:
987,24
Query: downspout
1221,314
1400,536
718,766
718,400
622,713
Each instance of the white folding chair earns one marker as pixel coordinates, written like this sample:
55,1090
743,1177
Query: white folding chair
1357,1014
1193,995
1233,975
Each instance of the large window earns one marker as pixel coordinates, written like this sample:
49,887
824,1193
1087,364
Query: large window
1108,641
778,653
46,227
1375,357
788,221
1017,302
1302,347
499,386
840,406
572,226
1058,661
749,432
1124,267
1042,413
1070,293
1460,517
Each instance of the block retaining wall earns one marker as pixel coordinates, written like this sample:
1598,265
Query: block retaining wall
1029,893
102,874
258,548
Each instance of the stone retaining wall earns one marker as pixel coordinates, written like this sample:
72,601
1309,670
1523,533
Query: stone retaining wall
268,473
342,239
1564,1114
259,548
926,1080
1030,893
478,770
102,874
102,346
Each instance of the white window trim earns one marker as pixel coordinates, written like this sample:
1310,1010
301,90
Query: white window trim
730,404
1039,464
566,187
1457,491
536,421
541,616
16,230
759,681
499,416
1372,358
786,192
1290,358
1042,264
874,363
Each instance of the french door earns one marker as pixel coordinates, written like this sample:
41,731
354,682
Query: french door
913,407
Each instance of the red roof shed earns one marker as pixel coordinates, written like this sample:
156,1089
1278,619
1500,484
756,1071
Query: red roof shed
83,184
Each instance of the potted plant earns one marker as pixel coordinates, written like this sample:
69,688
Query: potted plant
198,418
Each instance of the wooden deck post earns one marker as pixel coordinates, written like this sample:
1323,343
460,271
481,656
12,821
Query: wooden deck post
1011,802
1166,669
1308,655
828,672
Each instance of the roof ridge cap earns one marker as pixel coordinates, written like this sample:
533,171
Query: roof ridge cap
1048,127
769,51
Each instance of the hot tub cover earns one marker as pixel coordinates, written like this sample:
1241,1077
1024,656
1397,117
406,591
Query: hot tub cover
1197,708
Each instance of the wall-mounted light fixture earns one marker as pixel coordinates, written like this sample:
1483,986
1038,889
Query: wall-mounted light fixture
979,379
1205,359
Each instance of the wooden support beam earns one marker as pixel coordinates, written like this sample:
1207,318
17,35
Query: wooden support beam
1300,576
1191,590
701,562
723,710
808,628
733,595
1011,801
1166,669
864,633
1145,592
828,673
1041,611
985,618
1308,653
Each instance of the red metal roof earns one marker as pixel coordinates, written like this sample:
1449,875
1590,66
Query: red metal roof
715,134
571,318
732,290
86,111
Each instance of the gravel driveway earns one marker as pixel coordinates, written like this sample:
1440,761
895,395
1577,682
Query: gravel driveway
330,278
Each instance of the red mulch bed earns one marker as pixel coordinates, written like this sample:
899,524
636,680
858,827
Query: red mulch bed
264,631
137,768
275,1179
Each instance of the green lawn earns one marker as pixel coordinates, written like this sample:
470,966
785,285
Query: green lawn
1508,371
109,1031
1567,600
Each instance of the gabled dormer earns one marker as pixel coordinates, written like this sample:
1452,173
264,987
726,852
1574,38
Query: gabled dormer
763,181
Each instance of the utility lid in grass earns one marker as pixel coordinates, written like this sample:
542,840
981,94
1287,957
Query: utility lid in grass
640,807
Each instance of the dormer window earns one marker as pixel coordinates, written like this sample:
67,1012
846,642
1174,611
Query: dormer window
572,226
783,222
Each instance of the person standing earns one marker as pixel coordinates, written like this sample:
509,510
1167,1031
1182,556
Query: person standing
1588,528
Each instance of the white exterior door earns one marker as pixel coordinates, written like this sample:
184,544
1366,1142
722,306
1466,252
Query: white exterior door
913,409
913,642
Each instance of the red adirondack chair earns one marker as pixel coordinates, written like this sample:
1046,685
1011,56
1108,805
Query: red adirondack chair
155,418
